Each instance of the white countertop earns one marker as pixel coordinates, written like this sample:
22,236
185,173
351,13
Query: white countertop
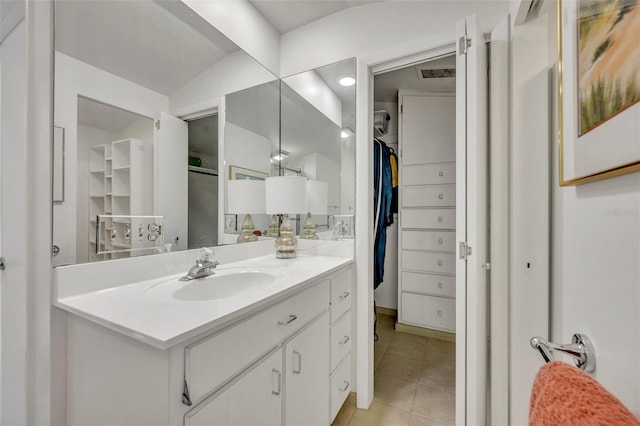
163,323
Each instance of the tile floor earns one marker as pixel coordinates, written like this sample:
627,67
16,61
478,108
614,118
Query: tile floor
414,382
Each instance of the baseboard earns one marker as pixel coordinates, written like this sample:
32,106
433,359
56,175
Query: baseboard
426,332
387,311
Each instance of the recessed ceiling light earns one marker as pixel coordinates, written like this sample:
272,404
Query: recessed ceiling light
344,134
346,81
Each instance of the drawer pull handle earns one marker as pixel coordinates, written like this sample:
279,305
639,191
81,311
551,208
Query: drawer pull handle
278,375
344,295
439,262
439,285
291,319
346,386
439,313
344,341
299,356
441,173
440,196
439,218
440,241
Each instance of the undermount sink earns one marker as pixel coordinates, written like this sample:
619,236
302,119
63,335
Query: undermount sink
223,284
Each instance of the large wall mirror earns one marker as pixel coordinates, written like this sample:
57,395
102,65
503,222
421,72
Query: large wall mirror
155,111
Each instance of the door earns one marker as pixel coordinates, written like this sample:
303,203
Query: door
253,400
13,226
471,224
307,375
170,176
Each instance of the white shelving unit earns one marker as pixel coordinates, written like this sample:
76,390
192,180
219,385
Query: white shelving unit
120,183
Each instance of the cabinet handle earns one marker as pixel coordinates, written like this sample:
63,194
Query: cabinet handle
440,196
278,375
299,369
440,241
439,218
441,173
291,319
344,341
439,285
344,295
439,313
346,386
439,262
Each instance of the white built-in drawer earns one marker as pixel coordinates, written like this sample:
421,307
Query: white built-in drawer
340,339
443,263
429,240
435,285
213,360
426,196
426,174
429,311
428,218
340,386
340,293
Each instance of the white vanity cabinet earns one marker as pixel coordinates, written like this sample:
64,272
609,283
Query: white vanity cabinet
275,365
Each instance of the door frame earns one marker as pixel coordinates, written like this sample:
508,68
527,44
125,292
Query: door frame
367,67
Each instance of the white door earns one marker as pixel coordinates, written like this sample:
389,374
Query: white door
307,360
171,179
471,223
13,223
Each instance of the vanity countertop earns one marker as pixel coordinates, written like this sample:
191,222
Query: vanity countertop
165,322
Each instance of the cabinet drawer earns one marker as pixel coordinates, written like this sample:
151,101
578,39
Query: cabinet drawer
429,311
340,293
443,263
421,196
429,240
435,285
215,359
340,386
425,174
428,218
340,339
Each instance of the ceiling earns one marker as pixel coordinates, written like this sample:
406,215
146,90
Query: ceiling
386,85
158,45
330,74
286,15
106,117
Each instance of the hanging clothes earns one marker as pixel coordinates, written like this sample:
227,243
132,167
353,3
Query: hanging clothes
394,183
383,195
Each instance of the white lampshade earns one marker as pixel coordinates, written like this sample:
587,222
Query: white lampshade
286,194
246,196
317,197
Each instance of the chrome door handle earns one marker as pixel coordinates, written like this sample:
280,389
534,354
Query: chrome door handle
299,356
2,261
346,386
278,375
342,342
55,250
291,319
344,295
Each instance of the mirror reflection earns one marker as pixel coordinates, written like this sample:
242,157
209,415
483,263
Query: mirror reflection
318,139
137,92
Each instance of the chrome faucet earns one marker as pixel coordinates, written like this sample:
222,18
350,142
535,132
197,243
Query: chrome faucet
204,266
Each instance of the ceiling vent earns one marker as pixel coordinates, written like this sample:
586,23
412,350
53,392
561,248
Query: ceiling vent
428,72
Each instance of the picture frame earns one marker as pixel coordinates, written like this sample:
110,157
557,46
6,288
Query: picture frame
236,172
598,120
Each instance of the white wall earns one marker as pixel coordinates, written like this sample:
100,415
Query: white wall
364,30
72,79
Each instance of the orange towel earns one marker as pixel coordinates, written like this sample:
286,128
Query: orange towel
565,395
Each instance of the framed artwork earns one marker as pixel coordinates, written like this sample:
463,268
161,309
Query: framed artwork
598,89
236,172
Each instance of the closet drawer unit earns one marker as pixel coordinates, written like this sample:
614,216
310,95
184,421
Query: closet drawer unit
428,218
340,339
340,293
210,362
432,196
429,311
435,285
429,240
340,386
443,263
427,174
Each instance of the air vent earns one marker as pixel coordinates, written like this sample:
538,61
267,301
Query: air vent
424,73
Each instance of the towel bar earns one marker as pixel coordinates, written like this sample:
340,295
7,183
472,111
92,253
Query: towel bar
580,348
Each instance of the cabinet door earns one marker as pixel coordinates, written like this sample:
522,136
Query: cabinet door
255,399
307,375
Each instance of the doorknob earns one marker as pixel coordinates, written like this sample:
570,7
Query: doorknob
1,263
55,250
